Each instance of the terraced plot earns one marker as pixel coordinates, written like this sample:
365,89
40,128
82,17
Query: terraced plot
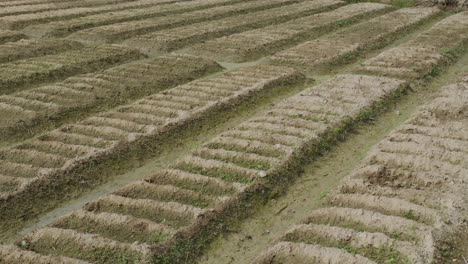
215,177
32,108
7,35
29,48
20,74
114,150
253,44
422,54
350,41
172,39
24,2
122,31
46,161
23,20
54,3
21,8
399,203
62,28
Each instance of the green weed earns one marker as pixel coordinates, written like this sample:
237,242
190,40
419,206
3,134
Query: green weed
324,195
410,215
403,3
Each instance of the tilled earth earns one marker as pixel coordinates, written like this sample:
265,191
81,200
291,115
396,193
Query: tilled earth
153,131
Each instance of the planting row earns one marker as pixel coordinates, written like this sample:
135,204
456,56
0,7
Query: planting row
7,36
121,31
349,41
22,20
25,2
34,168
422,54
172,39
19,74
253,44
401,204
57,2
208,183
21,8
23,111
62,28
29,48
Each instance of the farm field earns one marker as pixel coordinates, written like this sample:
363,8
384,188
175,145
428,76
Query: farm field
233,131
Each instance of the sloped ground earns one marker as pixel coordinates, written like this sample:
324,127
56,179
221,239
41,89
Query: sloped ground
243,94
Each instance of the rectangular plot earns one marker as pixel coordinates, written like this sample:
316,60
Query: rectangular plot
66,27
7,36
351,40
172,39
389,208
80,94
253,44
15,10
121,31
38,2
23,20
29,48
22,2
111,133
14,255
243,168
25,2
422,53
16,75
86,246
54,5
